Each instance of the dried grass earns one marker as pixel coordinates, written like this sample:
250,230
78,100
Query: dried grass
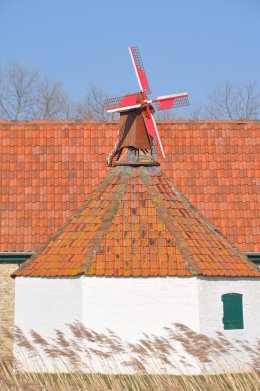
105,347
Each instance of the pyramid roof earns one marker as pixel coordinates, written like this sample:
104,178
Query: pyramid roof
137,223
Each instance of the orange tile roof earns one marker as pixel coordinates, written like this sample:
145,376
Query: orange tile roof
138,224
48,169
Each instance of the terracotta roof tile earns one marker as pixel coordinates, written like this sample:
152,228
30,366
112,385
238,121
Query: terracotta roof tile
110,235
48,169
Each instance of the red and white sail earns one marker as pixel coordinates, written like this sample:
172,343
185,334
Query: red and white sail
151,127
123,103
170,101
139,69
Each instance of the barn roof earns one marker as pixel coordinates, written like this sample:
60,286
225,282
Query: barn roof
49,168
137,224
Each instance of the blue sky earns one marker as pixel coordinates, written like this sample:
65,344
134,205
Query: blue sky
189,45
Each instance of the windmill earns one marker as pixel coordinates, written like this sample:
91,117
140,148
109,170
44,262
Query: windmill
138,131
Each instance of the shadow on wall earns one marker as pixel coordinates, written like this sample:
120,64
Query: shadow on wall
179,351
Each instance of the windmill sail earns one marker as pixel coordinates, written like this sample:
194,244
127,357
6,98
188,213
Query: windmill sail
139,69
152,129
170,101
123,103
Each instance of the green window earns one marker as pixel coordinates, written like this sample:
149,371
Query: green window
232,311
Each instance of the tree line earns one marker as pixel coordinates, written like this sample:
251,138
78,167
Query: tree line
26,95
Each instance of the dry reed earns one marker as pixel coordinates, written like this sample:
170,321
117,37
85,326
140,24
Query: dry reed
104,348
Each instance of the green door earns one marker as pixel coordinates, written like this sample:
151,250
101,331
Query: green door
232,311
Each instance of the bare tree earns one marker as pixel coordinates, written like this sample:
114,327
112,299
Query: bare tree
194,112
24,95
17,90
92,105
169,115
51,101
234,102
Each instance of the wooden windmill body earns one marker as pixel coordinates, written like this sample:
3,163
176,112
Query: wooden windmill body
134,131
135,145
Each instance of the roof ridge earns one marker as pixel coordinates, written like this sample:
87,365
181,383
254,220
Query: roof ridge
106,220
171,223
106,121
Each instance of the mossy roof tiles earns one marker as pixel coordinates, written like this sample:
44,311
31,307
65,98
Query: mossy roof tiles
137,223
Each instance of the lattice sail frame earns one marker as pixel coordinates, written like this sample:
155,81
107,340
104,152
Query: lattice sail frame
122,103
165,103
139,69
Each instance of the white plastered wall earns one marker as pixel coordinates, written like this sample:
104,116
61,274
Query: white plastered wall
133,306
130,307
43,305
127,306
211,306
211,313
